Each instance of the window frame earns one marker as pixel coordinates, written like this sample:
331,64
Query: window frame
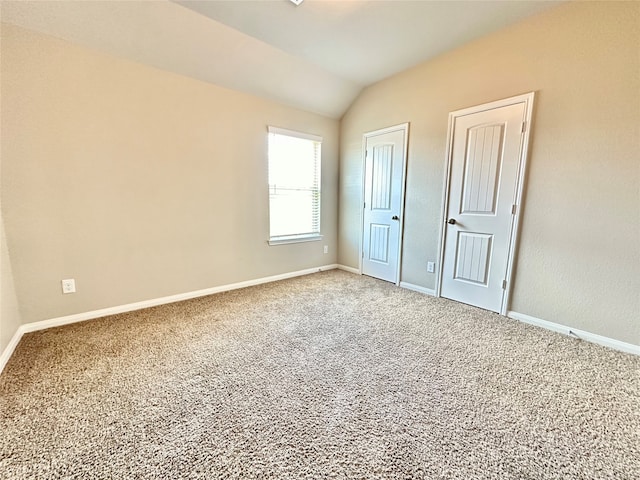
303,237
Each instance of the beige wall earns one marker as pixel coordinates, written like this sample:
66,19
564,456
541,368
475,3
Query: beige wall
9,312
579,253
136,182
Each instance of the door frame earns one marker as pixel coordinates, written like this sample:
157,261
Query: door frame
527,99
405,128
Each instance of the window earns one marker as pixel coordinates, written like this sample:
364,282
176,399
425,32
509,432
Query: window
294,186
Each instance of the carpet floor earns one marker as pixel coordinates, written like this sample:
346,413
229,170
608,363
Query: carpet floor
331,375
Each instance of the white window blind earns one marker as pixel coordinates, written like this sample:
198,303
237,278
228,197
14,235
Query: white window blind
294,186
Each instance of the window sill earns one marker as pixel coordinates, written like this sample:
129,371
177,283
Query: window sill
295,239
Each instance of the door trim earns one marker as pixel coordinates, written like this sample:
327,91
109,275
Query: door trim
527,99
405,128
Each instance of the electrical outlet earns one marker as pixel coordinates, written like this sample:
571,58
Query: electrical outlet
69,286
326,249
431,267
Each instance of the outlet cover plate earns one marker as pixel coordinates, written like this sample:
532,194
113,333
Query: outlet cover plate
69,286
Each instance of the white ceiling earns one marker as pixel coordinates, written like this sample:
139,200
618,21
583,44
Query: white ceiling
317,56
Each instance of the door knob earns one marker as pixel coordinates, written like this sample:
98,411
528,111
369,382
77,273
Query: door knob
395,217
452,221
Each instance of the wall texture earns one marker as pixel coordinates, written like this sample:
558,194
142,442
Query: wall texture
9,312
580,238
136,182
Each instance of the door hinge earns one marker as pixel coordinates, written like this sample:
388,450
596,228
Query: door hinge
364,205
504,284
524,127
514,209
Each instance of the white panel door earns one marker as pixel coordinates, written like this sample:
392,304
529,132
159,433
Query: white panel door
483,185
383,199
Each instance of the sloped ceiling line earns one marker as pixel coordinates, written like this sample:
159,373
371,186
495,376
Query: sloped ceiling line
317,56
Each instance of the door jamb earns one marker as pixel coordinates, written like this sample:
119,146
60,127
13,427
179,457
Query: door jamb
527,99
404,127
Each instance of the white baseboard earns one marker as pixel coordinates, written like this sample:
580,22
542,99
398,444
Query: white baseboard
10,348
81,317
574,332
418,288
348,269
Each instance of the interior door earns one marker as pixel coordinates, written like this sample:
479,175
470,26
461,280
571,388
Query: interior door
486,150
383,201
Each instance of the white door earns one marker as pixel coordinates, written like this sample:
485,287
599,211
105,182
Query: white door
385,160
486,162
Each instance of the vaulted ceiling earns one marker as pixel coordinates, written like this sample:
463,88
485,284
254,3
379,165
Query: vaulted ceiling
317,56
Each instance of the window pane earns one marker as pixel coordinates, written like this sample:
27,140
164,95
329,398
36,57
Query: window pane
294,185
290,213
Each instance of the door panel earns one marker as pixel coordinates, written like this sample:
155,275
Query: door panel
382,166
485,156
482,168
384,173
473,255
379,243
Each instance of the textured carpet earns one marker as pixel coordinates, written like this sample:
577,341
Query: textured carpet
331,375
